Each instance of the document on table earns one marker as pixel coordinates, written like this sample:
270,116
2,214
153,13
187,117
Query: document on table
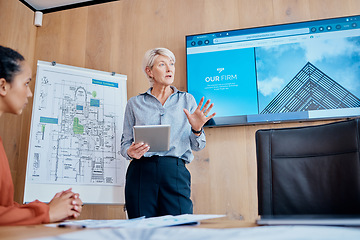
154,222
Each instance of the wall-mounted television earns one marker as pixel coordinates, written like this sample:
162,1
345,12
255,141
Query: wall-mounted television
290,72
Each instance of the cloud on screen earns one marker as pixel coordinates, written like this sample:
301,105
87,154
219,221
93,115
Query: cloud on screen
271,85
318,50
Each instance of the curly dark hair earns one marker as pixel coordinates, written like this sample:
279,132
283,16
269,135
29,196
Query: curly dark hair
9,63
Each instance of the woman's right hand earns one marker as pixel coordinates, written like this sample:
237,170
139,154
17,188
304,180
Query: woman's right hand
137,150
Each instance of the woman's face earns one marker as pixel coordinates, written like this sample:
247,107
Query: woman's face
163,71
18,91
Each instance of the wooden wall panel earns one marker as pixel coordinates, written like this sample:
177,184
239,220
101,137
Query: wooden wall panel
332,8
255,13
98,37
62,38
19,33
286,11
114,37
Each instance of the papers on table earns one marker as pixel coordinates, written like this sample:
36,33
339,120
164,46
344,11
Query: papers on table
154,222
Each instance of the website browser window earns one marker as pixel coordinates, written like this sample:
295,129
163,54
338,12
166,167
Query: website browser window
300,71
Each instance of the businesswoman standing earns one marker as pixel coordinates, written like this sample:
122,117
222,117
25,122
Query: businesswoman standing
15,76
158,183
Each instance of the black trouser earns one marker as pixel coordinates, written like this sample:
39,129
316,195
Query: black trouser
157,186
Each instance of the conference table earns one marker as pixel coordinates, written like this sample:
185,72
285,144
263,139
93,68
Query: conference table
213,229
38,231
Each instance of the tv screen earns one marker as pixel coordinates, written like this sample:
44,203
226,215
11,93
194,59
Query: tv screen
290,72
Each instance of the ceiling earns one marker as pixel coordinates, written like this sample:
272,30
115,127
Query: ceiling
46,6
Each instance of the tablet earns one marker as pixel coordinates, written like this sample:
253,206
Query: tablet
156,136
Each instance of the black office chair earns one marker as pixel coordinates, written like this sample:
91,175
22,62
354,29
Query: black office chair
309,170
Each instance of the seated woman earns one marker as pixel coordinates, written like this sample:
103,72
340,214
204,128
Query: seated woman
15,76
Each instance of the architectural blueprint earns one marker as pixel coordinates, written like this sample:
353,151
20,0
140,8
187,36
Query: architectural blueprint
76,128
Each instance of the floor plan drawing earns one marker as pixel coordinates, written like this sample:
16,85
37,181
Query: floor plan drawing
76,130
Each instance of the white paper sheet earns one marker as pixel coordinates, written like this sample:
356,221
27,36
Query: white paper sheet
142,222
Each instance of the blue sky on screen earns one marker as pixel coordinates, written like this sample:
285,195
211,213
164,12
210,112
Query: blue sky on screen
338,58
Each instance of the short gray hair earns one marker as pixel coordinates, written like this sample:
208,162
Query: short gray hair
151,55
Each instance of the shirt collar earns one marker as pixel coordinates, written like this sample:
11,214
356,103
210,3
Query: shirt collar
149,91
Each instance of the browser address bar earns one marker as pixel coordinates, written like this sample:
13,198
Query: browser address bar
261,35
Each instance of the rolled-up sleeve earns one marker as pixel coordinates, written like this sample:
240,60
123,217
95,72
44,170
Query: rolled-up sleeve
197,142
127,137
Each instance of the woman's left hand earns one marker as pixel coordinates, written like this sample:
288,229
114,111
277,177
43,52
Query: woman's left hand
199,117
